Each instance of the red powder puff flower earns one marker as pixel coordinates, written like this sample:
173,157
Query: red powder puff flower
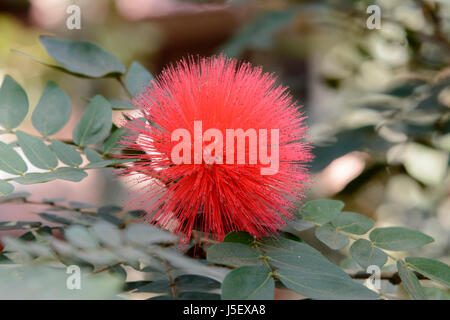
208,175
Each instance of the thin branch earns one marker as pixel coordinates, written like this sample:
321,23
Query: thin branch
168,270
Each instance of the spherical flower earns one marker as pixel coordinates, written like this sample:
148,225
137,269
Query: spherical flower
224,147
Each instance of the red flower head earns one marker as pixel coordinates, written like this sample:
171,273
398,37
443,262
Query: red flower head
208,175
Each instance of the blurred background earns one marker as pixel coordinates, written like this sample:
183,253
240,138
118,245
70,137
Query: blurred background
377,99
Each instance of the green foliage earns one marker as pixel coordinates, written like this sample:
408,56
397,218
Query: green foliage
13,104
410,282
321,211
66,153
95,123
82,58
396,238
107,241
10,161
433,269
39,154
249,283
365,254
137,77
52,111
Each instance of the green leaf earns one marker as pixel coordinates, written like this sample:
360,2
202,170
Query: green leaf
55,218
137,78
284,253
321,211
66,153
433,269
194,295
234,254
306,271
112,143
52,111
35,177
239,237
13,104
352,223
159,286
6,188
193,282
39,154
10,160
397,238
81,237
301,225
332,237
410,282
318,285
95,123
49,283
143,234
249,283
92,155
17,225
107,233
82,58
365,254
433,293
70,174
259,32
15,196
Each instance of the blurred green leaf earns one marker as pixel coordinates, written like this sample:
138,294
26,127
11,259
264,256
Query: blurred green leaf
405,88
193,282
112,143
6,188
107,233
321,211
11,161
15,225
15,196
40,282
352,223
95,123
249,283
81,237
52,111
239,237
434,293
193,295
365,254
305,270
329,235
324,286
35,177
235,254
13,104
158,286
82,57
39,154
259,32
70,174
410,282
137,78
55,218
433,269
397,238
143,234
66,153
